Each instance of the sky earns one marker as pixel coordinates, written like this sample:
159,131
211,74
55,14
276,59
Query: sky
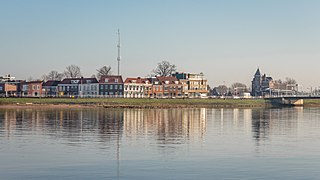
226,40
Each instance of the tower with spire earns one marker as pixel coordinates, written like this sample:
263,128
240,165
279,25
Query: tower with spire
256,84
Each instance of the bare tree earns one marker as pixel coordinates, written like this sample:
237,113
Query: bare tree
164,68
238,88
54,75
72,71
221,90
290,81
44,77
103,71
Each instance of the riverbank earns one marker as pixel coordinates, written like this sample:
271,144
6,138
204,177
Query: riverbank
134,103
142,103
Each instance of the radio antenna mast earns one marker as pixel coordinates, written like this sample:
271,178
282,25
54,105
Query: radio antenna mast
119,57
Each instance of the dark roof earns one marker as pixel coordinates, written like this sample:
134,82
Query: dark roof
78,81
51,83
257,72
111,79
137,80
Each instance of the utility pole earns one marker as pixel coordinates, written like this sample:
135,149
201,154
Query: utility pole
118,59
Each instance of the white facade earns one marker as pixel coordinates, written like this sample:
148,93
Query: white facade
89,90
132,90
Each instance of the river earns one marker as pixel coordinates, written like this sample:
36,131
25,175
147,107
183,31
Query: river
97,143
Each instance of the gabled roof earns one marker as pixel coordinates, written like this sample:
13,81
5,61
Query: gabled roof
111,79
169,79
137,80
51,83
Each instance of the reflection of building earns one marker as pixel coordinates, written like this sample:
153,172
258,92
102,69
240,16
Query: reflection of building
272,122
167,124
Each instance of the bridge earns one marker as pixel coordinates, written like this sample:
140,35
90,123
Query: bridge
292,100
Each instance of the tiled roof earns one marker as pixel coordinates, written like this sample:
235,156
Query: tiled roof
111,79
170,79
137,80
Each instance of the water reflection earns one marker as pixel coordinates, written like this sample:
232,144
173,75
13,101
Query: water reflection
145,143
166,126
268,123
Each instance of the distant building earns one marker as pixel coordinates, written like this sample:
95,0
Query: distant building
111,86
261,84
89,87
156,88
50,88
32,89
7,90
171,87
82,87
137,87
7,78
194,85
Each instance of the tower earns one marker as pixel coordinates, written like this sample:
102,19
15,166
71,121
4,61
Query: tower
118,58
256,84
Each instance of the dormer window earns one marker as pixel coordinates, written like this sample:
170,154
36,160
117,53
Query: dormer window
106,80
74,81
116,80
167,82
89,81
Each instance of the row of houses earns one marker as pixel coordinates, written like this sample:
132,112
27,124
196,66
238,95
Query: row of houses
179,85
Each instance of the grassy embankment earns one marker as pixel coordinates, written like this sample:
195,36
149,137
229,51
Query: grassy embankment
136,103
144,103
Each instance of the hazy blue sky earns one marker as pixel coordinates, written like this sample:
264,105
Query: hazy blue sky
226,40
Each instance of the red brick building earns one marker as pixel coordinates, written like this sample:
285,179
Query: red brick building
32,89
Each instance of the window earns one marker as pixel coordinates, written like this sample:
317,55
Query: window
106,80
111,86
120,87
38,87
74,81
33,87
101,86
115,86
116,80
106,86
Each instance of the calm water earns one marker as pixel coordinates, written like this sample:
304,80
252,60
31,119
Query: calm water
160,144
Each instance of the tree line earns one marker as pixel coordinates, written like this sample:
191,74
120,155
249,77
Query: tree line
163,68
